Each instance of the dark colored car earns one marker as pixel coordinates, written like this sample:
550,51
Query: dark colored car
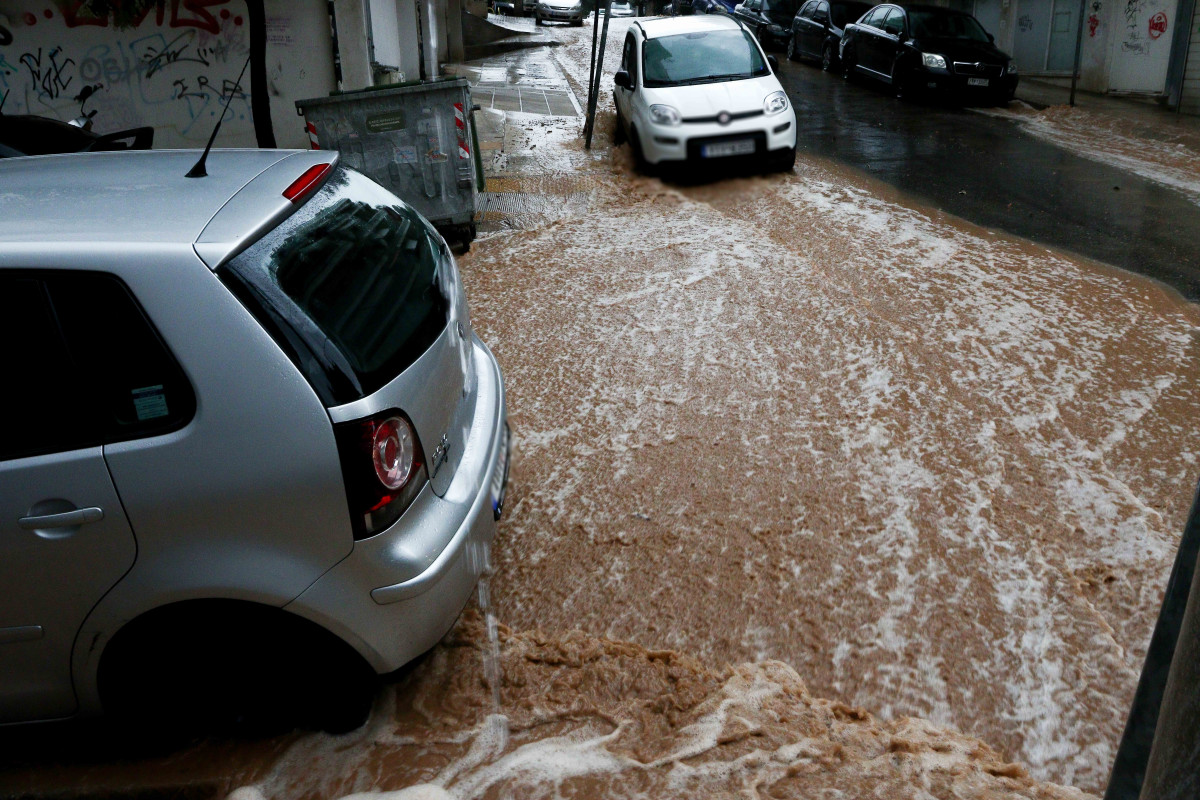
817,30
29,135
709,7
769,20
918,48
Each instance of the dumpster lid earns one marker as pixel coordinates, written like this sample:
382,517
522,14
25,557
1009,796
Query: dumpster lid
396,90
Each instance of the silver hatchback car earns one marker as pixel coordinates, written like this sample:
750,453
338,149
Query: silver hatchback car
252,454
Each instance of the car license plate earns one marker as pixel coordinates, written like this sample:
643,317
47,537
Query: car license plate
977,81
740,147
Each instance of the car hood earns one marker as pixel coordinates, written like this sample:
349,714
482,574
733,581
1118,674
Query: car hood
963,50
709,99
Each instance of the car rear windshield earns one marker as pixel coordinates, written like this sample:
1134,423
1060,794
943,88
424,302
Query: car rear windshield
946,25
701,57
349,287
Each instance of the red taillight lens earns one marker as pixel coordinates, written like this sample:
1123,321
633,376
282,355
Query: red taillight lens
384,469
306,182
392,452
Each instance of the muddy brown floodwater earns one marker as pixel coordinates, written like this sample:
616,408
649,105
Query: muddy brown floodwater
936,470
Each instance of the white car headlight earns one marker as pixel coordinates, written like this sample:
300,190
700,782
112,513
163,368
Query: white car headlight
933,60
775,103
1012,68
664,115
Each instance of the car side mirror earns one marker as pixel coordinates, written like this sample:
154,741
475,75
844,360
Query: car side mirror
991,38
774,62
622,79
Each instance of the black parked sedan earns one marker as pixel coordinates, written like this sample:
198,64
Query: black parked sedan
916,48
769,20
817,29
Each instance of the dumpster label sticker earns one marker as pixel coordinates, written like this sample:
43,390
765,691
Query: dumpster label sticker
407,154
382,123
434,154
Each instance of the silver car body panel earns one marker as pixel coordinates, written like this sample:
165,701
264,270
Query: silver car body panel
404,588
52,577
141,189
435,394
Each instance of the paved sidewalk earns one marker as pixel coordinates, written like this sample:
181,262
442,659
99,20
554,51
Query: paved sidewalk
1043,94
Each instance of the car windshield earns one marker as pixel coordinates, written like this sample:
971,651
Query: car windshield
701,57
946,25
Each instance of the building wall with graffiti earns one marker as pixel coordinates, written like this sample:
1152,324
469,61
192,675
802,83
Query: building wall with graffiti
1125,45
172,69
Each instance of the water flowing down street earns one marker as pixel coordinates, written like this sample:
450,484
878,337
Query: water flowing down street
817,490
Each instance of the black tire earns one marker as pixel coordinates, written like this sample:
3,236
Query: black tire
619,129
221,666
791,49
537,20
828,57
578,23
784,162
902,85
639,158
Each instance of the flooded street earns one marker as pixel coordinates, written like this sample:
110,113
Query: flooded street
817,491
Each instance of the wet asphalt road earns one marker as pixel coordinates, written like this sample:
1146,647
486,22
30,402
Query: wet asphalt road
988,171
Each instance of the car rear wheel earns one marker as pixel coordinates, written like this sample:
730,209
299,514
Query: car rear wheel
220,666
828,59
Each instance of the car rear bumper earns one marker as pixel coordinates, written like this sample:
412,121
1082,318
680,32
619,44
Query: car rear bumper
398,593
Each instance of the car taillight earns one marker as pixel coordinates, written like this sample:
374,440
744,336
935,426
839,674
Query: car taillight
384,469
306,182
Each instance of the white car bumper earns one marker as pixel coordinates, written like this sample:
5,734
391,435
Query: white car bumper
705,141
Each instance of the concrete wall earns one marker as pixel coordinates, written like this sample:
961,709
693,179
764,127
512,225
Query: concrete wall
1116,34
172,71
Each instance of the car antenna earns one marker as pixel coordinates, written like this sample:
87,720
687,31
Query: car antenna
198,170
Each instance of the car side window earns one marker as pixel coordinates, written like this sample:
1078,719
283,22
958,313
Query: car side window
123,369
894,24
44,409
807,11
875,18
629,58
821,12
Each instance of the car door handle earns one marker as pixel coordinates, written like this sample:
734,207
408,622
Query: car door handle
67,519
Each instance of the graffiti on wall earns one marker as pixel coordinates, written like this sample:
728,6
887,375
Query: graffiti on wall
173,68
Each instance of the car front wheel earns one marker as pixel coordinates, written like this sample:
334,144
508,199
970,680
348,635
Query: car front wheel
828,57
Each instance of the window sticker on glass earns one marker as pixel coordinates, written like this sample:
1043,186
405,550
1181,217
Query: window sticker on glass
150,402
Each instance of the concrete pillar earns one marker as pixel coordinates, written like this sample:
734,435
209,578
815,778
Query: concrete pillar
354,43
455,50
